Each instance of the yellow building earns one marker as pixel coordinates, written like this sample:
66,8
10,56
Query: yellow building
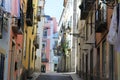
30,38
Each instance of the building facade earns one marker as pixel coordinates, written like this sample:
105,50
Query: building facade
68,28
31,39
48,41
5,28
41,19
53,42
45,55
97,59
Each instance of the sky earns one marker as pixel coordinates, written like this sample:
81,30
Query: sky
54,8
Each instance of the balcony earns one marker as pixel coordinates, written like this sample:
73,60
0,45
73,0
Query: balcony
29,13
18,25
100,22
85,7
45,60
21,23
36,42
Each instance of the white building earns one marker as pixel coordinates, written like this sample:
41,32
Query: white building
68,25
39,33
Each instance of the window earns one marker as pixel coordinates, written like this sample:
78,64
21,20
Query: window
98,62
5,22
25,43
82,62
104,58
2,59
15,66
1,23
43,44
102,11
91,63
1,26
43,55
91,24
45,33
29,54
86,56
111,62
32,53
87,32
83,34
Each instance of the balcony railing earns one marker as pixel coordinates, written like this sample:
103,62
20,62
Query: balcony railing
21,23
45,60
101,24
85,7
18,24
29,13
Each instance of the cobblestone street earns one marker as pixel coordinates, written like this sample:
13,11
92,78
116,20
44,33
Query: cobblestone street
54,77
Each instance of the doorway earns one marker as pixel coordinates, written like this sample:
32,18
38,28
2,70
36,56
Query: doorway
2,60
43,68
91,64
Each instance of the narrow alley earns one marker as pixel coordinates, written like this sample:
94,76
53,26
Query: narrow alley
59,39
55,76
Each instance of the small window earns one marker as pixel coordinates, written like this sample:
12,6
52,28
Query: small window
43,45
5,23
15,66
91,31
45,33
104,58
32,53
1,23
2,61
87,31
1,26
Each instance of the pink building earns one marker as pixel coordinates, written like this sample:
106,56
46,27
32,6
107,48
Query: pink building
50,28
46,47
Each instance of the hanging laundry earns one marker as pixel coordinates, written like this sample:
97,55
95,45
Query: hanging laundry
15,8
114,31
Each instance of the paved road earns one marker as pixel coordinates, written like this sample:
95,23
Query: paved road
54,77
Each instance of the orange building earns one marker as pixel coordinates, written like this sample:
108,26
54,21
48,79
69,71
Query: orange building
16,41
